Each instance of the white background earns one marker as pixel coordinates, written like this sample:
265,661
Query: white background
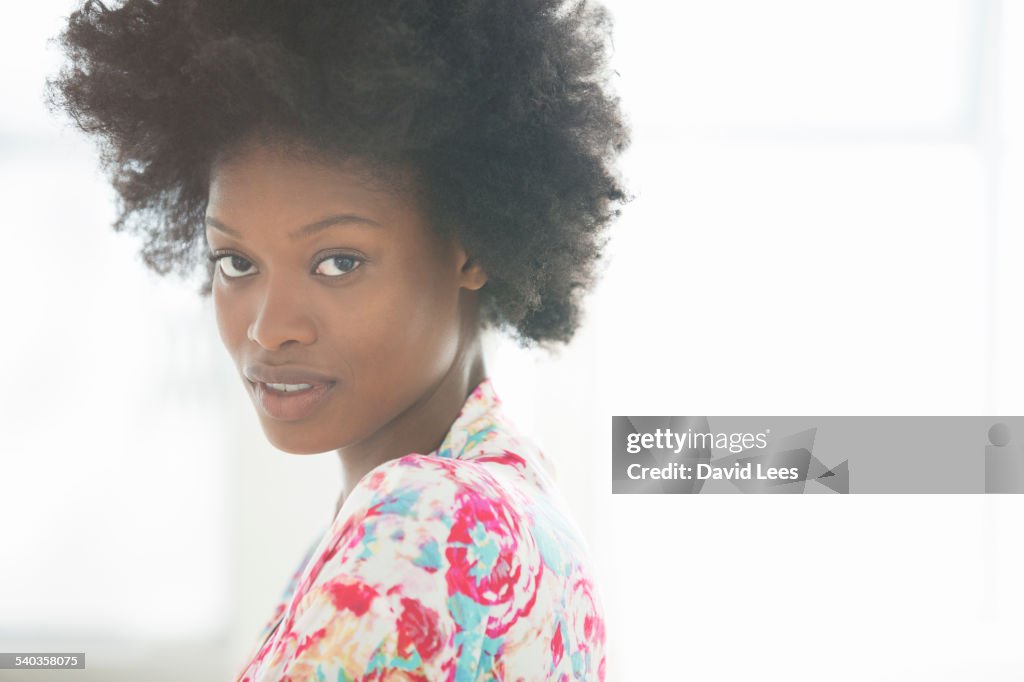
828,220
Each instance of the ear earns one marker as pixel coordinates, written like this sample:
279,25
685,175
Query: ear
471,274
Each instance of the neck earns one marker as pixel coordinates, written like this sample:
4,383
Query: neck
422,427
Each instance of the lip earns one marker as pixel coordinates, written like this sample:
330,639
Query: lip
292,405
259,372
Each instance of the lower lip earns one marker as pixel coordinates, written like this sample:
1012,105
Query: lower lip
292,405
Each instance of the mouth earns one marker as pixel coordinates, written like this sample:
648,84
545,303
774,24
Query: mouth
291,402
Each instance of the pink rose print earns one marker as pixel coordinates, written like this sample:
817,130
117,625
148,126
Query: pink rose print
417,629
488,562
354,595
587,625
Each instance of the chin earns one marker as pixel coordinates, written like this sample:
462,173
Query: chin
294,443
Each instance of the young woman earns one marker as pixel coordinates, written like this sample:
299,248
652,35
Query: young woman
371,184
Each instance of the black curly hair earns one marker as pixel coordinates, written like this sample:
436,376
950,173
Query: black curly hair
501,106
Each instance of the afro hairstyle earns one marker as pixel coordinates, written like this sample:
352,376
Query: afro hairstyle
503,108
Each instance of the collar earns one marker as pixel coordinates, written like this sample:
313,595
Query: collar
477,423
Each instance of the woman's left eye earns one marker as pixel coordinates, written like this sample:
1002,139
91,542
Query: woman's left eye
335,266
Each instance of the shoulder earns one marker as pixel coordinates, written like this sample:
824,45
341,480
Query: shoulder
425,486
456,518
430,561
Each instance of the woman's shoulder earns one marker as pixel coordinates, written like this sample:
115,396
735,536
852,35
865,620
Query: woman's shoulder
483,453
516,568
486,470
417,484
429,561
459,553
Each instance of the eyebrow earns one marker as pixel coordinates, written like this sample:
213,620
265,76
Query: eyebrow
305,230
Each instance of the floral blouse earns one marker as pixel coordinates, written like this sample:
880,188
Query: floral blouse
459,565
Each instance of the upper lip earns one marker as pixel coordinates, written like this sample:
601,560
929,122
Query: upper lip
284,374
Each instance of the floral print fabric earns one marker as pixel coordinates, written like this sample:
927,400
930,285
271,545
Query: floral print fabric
459,565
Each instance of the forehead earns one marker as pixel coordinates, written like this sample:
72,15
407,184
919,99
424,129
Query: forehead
266,184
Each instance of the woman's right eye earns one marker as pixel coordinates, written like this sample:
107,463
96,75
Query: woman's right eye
233,266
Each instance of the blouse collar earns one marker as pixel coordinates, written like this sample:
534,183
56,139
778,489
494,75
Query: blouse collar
475,424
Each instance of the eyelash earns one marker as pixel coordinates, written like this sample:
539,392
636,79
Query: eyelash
216,257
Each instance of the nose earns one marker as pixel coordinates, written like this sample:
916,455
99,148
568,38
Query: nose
282,316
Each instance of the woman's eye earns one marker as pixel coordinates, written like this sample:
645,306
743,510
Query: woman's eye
234,266
335,266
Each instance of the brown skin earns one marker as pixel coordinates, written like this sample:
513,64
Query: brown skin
399,331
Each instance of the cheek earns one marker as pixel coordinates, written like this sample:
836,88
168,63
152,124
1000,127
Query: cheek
406,328
230,325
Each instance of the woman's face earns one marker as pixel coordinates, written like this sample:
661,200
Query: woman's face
336,287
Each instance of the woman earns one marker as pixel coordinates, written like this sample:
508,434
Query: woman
371,184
